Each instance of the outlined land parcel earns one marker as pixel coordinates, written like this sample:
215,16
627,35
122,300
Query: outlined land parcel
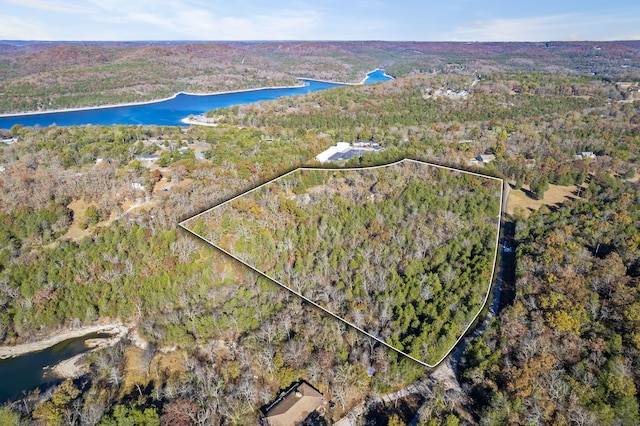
405,252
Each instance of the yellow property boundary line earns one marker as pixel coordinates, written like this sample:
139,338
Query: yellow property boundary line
462,335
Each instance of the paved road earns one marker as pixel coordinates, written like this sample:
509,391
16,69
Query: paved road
351,418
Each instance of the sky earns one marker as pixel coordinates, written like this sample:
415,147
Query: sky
414,20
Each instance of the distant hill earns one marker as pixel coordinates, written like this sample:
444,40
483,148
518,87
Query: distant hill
53,75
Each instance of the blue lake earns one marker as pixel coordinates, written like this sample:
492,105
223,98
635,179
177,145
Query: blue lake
172,111
377,76
27,372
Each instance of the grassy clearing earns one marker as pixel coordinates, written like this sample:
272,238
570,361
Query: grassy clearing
75,232
520,201
169,365
135,372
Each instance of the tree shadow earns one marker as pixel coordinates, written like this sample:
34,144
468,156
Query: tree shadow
405,408
529,194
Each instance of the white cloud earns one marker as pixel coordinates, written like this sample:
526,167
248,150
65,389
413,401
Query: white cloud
545,28
174,20
49,6
13,28
282,26
299,20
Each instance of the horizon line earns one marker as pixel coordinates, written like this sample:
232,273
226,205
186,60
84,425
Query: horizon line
313,41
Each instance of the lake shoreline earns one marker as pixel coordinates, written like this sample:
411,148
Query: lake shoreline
71,368
175,95
133,104
117,329
195,122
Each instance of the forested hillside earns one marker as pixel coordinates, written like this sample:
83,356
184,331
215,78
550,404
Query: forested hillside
220,340
90,234
46,76
404,252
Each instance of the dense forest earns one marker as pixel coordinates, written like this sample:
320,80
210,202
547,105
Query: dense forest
575,318
89,234
403,252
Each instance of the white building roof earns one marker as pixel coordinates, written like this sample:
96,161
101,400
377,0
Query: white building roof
324,156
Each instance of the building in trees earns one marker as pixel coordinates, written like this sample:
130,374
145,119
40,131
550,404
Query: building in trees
482,159
584,155
343,151
294,405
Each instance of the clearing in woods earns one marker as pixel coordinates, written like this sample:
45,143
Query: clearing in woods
521,202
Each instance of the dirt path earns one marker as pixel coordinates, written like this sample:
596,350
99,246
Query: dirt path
117,329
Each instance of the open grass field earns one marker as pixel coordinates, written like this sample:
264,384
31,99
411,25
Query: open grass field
522,202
